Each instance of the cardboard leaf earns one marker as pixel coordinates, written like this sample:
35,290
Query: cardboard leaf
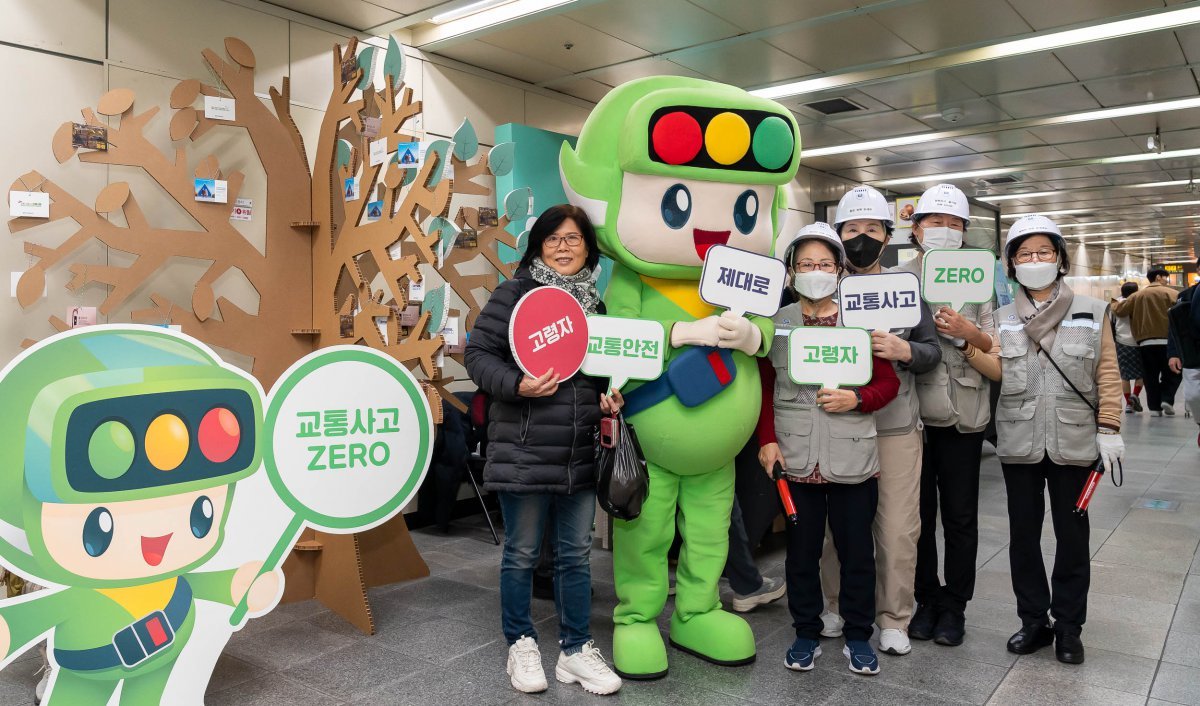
182,123
466,142
112,197
344,152
393,62
438,307
239,52
445,229
516,204
63,149
441,148
522,243
202,301
366,59
115,102
185,93
502,158
31,285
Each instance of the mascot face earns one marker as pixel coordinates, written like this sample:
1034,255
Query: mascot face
667,167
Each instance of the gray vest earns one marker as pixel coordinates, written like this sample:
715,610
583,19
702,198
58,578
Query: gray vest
843,444
1038,414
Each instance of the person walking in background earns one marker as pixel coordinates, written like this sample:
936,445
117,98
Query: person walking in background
1183,348
1147,312
1059,411
541,456
1129,358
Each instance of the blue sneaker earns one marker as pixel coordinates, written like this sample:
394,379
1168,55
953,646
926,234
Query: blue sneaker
862,657
802,654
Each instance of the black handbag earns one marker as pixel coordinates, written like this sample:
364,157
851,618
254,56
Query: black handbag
623,482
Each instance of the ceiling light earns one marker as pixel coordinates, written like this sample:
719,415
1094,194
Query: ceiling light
1086,224
1062,212
1011,197
466,10
1076,192
1037,43
1106,233
477,17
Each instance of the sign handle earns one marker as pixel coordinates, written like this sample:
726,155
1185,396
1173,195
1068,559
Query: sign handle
274,560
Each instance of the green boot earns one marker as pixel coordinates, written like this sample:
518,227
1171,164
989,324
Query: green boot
716,636
639,652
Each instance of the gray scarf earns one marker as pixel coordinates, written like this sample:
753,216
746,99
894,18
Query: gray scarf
1041,323
579,285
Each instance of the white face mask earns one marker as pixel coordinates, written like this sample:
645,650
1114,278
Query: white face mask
815,285
941,238
1037,275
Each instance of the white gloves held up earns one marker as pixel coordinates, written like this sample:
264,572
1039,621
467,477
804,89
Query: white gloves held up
725,331
1112,449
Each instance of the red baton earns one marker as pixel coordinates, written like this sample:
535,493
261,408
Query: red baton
785,494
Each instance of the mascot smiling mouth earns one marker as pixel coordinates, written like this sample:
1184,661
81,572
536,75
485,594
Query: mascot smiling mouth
705,239
155,548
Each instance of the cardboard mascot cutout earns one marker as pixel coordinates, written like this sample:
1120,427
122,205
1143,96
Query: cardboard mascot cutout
666,168
122,448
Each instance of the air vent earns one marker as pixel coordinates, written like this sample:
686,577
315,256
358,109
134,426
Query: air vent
833,106
1006,179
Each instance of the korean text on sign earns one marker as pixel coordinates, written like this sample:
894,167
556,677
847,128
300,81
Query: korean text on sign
552,333
742,281
887,301
958,277
548,330
829,356
624,349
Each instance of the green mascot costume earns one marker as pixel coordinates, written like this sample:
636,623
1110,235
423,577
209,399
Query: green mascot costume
120,449
666,168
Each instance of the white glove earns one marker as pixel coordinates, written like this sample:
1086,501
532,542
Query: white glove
702,332
738,333
1112,449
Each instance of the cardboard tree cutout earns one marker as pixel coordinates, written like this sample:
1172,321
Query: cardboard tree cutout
666,168
124,448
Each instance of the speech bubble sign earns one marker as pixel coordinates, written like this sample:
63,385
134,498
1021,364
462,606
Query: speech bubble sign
830,356
624,349
958,277
548,329
742,281
349,438
891,300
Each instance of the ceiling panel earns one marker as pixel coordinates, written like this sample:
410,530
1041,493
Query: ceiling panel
1189,39
1028,155
1142,178
584,88
1007,139
746,63
1058,13
799,104
823,135
407,7
1013,74
922,89
1058,173
935,166
972,112
1142,125
1078,132
502,61
761,14
859,160
641,68
356,14
872,127
941,24
589,47
931,150
850,42
1099,148
1046,101
657,26
1139,52
1160,85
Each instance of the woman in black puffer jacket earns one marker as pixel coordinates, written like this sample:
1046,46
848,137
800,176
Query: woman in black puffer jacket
541,456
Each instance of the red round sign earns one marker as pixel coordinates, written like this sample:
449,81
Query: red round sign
548,329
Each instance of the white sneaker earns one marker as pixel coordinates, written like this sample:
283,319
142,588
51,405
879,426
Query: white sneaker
770,590
525,666
1168,410
39,691
894,641
588,669
831,624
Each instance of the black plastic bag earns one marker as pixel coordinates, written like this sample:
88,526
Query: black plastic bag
623,481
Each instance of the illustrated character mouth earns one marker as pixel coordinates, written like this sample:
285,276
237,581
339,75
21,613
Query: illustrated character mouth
155,548
705,239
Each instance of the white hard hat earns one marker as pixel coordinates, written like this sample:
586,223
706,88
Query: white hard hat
815,231
943,198
1031,225
863,202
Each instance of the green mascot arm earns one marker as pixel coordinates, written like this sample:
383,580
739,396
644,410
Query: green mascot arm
767,327
21,622
213,586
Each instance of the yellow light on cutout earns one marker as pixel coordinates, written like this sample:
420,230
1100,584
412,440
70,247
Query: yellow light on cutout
727,138
166,442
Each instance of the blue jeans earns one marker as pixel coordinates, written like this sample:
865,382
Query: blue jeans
524,521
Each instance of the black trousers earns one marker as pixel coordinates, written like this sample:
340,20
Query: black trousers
949,482
1066,596
1161,382
740,569
850,509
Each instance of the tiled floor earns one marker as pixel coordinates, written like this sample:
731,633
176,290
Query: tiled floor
439,638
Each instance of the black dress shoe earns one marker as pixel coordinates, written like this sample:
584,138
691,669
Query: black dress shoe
951,627
923,622
1068,648
1031,638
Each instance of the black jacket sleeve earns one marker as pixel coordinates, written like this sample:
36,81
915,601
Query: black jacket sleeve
922,340
488,358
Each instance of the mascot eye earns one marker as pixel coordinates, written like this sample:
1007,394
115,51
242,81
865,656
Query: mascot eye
745,211
202,517
677,206
97,532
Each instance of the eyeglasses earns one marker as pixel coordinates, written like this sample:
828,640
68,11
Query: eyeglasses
1044,255
553,241
823,265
